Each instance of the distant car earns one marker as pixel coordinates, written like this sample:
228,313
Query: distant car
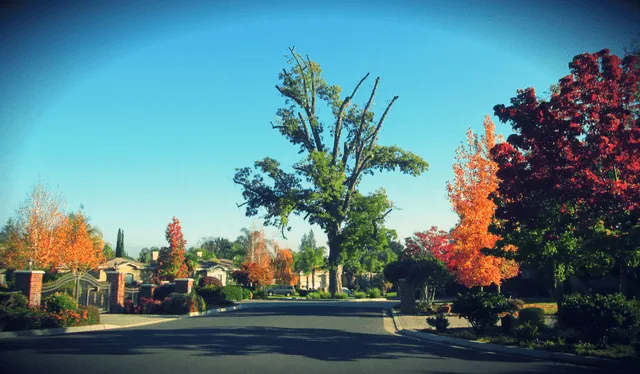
346,290
281,290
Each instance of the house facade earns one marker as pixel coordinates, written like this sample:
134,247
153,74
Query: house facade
134,271
220,269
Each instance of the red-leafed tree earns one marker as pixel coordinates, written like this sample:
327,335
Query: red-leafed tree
475,180
569,195
434,242
283,264
171,261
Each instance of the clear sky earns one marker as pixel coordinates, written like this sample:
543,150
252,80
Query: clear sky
142,112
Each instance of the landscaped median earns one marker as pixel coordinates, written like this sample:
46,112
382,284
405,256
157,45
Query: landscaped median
514,335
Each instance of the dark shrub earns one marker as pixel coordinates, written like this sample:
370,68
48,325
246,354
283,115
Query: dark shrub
481,309
527,332
59,302
232,293
208,281
150,306
12,301
515,305
444,308
508,323
599,317
24,319
175,303
161,292
303,293
210,293
534,316
440,323
259,295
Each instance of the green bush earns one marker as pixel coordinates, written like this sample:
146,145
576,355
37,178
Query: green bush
93,315
527,332
425,307
341,295
24,319
313,295
440,323
324,295
373,293
481,309
246,294
599,317
360,295
59,302
232,293
259,295
534,316
210,293
515,305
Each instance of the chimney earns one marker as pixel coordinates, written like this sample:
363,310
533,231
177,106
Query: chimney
199,254
154,255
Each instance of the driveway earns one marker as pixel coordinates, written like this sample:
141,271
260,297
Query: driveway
282,338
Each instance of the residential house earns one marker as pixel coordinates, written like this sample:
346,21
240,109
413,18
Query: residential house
220,269
134,270
321,280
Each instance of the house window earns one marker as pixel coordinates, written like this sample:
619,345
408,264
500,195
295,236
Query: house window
128,278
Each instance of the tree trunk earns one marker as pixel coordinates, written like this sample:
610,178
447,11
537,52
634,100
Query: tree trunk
498,288
313,279
335,268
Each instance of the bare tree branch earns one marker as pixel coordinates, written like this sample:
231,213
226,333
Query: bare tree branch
338,130
308,141
374,136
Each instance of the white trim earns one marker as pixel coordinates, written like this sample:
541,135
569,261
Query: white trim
30,271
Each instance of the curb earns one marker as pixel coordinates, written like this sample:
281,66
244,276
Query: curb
533,353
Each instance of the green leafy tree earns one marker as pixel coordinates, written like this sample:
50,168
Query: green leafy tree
324,182
108,252
145,255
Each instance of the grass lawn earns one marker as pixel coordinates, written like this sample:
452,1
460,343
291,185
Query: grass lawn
550,308
547,341
392,295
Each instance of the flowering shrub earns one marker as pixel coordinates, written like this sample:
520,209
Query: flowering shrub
149,306
59,302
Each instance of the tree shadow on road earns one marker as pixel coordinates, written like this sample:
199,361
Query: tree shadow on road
315,343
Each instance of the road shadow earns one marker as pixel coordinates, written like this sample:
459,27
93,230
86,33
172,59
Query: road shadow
315,343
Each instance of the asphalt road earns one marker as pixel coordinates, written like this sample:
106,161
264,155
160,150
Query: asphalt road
327,339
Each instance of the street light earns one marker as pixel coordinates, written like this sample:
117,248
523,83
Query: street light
30,264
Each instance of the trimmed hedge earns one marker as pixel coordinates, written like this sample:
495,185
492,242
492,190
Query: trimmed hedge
162,292
232,293
359,295
341,295
532,315
601,317
481,309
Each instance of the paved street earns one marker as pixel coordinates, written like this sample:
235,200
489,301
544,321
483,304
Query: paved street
286,338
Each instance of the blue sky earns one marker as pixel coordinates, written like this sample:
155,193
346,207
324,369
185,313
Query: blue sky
141,116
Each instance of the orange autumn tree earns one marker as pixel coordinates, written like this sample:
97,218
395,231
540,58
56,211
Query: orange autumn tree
39,233
171,261
475,179
258,264
283,264
81,251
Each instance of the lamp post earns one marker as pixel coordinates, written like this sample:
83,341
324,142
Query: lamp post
30,264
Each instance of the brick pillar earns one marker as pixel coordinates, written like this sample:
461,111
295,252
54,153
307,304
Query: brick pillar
183,285
407,297
30,283
116,294
146,290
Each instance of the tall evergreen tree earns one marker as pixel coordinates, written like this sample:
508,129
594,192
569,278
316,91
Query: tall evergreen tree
120,244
